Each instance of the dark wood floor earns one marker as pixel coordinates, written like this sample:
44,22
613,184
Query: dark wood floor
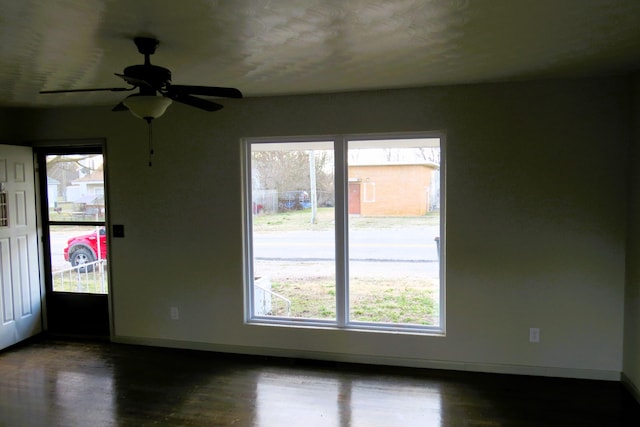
52,382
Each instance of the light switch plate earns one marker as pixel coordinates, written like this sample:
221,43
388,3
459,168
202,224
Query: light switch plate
118,230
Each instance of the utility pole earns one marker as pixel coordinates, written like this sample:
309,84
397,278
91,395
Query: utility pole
312,182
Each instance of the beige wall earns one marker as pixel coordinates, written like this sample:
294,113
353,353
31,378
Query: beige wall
537,240
631,366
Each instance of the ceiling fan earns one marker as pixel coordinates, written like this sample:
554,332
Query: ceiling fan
155,89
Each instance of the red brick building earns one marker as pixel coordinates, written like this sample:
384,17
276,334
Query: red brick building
392,189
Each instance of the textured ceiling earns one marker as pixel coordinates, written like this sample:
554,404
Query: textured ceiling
268,47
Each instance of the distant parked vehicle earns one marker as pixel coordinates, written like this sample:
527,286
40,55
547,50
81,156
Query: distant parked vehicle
294,200
84,249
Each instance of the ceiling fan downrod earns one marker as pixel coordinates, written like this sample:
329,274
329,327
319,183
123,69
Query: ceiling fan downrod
146,46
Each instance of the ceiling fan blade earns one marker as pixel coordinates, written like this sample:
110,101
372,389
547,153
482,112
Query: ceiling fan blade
108,89
224,92
203,104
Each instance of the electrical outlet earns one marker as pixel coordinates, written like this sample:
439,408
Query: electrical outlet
174,313
534,335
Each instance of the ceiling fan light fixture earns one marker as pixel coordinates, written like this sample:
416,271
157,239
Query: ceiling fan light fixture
147,107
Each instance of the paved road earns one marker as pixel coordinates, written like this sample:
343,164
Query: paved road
366,247
393,245
372,253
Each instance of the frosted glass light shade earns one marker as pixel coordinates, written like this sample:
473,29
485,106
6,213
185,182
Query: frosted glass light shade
147,106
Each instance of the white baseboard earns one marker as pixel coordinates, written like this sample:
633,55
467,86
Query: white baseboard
633,389
591,374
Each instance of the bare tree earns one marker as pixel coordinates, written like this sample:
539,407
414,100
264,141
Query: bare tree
282,170
431,154
288,171
391,154
66,169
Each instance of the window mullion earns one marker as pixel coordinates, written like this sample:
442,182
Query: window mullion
341,232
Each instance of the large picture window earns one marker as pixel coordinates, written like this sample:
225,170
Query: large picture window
345,232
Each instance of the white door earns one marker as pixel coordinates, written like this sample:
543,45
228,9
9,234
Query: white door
20,292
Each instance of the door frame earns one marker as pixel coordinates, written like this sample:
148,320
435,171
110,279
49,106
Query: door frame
63,309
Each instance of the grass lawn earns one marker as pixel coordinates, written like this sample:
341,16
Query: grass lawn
403,300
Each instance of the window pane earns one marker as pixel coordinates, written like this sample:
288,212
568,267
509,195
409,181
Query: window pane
394,231
75,187
75,195
78,259
293,239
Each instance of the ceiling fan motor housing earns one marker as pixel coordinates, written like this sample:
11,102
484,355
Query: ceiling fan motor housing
155,76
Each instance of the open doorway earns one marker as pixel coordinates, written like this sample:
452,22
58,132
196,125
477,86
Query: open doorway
73,203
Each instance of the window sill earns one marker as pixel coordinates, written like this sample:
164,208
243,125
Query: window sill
351,327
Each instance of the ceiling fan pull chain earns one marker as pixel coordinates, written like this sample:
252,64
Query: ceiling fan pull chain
150,140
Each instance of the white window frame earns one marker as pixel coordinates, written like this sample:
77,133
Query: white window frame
369,189
342,321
